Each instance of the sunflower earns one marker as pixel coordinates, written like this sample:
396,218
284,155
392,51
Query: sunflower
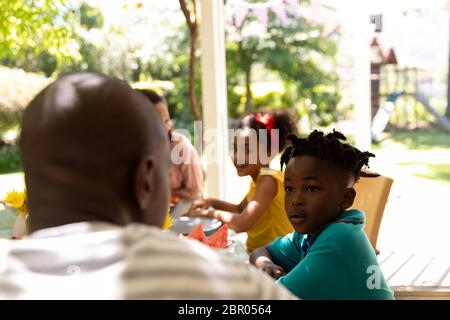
18,200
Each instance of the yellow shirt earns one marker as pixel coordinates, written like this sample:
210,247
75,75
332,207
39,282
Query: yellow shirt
274,221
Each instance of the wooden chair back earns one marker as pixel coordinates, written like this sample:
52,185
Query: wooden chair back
371,197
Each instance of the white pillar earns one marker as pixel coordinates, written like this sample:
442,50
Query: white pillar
214,93
360,27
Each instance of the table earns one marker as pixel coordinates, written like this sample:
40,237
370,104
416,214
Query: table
238,246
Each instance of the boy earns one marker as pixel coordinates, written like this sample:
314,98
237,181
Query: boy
328,256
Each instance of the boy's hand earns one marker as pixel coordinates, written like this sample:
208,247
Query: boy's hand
262,259
272,269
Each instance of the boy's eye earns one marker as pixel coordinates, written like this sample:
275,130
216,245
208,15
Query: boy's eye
311,188
288,189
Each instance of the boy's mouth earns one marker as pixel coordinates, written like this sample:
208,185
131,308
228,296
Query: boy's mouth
240,166
298,217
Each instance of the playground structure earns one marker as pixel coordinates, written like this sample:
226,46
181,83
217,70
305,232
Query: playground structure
399,100
401,97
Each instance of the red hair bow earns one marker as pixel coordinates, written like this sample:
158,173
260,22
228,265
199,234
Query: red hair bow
266,120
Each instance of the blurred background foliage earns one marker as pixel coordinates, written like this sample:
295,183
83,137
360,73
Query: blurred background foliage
287,55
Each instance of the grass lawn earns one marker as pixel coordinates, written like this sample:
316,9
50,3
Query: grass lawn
417,216
423,154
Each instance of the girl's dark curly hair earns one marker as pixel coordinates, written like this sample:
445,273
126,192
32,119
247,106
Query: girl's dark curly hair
331,149
284,121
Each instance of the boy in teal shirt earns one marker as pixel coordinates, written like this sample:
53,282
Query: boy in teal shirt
328,256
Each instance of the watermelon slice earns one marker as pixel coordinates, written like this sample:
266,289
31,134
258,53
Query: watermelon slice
197,233
219,239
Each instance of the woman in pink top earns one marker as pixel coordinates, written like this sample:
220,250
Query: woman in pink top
186,173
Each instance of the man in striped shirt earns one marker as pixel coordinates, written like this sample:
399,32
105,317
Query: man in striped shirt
96,162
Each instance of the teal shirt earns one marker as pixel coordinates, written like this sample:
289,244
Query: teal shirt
340,263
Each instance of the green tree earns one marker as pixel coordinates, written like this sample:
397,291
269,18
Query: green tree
106,49
172,64
90,17
33,27
191,14
447,110
294,52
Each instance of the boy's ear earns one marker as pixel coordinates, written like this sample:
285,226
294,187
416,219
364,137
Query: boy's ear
349,197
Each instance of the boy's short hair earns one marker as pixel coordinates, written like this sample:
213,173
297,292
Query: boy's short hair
329,148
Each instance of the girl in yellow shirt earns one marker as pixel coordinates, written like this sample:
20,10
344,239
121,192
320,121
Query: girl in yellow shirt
258,138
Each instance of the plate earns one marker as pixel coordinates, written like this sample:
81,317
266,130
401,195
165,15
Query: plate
181,208
185,225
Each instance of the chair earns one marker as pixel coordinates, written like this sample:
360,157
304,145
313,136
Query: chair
371,197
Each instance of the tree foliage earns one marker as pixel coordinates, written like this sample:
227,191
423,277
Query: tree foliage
90,17
192,16
292,54
172,64
38,34
97,50
295,52
34,27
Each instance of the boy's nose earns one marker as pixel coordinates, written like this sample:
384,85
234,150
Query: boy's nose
297,200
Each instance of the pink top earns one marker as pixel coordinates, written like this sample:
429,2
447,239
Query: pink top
186,173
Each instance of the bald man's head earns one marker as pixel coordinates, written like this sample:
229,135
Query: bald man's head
92,147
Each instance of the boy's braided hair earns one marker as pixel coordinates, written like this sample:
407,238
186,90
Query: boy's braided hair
331,149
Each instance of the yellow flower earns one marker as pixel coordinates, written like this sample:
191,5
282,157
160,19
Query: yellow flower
18,200
168,223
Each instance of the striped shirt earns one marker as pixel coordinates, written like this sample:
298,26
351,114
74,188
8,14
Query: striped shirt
103,261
